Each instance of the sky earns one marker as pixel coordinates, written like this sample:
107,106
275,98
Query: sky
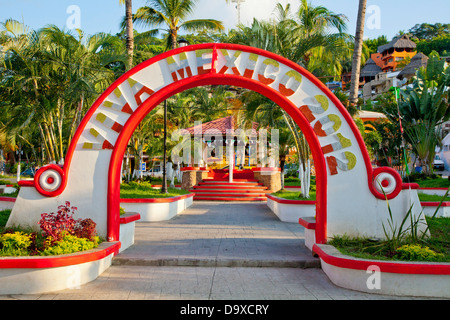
383,17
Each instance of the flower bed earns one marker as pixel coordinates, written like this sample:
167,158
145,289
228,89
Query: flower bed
61,234
402,278
37,274
66,254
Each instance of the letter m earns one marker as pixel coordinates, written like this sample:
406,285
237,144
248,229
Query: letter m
179,70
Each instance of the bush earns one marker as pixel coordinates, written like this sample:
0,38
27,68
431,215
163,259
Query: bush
415,252
15,244
61,234
56,225
53,224
86,229
69,244
416,176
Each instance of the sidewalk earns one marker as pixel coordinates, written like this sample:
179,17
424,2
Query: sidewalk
214,251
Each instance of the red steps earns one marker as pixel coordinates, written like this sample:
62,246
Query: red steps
222,190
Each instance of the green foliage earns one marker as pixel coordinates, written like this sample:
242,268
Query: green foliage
373,44
69,236
15,244
431,197
416,252
403,243
424,107
294,195
427,31
136,190
69,244
440,44
4,216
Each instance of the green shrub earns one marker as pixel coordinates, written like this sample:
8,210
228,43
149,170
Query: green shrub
415,252
69,244
15,244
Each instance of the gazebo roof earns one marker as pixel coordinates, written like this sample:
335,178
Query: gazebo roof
221,124
398,42
418,61
370,69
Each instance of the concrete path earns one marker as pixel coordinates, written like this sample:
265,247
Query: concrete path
220,234
213,251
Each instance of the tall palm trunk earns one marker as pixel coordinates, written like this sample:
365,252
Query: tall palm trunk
356,64
130,35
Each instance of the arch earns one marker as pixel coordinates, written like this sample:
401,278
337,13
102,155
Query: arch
343,168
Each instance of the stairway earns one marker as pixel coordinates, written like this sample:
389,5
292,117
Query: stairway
216,189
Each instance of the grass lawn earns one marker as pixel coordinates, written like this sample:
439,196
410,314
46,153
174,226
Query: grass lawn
433,181
431,197
294,195
4,215
142,190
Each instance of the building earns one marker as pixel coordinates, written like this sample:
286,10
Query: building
382,83
395,52
382,71
224,127
418,61
369,71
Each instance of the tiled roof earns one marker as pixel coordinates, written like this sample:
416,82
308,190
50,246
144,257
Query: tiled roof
221,124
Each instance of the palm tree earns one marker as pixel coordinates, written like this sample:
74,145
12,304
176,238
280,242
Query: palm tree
306,37
356,64
170,15
46,77
129,28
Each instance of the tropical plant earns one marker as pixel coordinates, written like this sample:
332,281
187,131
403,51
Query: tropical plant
310,36
47,77
170,16
54,224
306,36
424,108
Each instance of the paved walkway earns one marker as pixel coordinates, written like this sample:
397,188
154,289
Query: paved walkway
214,251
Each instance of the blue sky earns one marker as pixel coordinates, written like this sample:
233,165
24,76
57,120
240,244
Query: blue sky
387,17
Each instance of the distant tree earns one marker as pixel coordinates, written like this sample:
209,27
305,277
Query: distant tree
440,44
426,31
373,44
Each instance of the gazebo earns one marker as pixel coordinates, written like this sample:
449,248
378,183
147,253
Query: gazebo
418,61
226,127
369,71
